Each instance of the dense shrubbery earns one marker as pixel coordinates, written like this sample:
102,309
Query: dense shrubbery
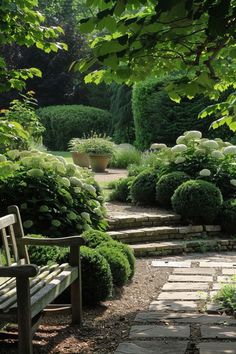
166,186
55,198
63,123
197,201
123,157
118,262
228,216
94,238
159,119
143,188
121,191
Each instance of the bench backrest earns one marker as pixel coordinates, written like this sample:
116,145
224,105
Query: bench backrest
11,229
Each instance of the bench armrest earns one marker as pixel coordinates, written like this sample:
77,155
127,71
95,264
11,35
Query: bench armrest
61,242
25,270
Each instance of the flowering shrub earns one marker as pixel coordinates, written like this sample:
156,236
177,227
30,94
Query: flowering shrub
55,198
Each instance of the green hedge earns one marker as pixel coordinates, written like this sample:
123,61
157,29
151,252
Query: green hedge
63,123
157,119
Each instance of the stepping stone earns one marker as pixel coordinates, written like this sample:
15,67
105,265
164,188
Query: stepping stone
185,286
152,347
218,332
217,264
217,348
154,316
195,271
171,264
179,295
213,308
218,286
164,305
229,271
155,331
190,278
225,279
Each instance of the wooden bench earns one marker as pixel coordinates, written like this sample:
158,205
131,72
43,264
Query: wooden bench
25,289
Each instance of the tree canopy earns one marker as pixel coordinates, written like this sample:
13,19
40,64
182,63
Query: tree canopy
140,38
22,24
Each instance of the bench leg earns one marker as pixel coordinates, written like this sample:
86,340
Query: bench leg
76,287
25,345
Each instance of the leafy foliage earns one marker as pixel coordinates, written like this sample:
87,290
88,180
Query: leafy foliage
118,262
143,188
226,296
55,198
12,135
98,145
197,201
121,192
123,157
167,185
227,216
63,123
154,38
94,238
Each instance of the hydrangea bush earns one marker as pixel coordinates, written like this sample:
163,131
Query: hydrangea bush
55,198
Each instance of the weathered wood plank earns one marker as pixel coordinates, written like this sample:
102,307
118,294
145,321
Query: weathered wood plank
63,241
76,287
7,220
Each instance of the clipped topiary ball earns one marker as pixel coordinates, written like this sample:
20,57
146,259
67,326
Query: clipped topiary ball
119,264
166,186
122,190
143,188
94,238
227,216
197,201
126,251
96,276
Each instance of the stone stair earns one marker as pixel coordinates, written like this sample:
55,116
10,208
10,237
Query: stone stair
162,234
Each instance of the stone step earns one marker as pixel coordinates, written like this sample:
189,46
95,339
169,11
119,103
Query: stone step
124,221
160,233
180,247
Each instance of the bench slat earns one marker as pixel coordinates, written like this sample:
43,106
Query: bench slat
7,220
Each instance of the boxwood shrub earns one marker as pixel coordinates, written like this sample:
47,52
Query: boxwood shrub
227,216
63,123
143,188
197,201
95,237
121,192
118,262
166,186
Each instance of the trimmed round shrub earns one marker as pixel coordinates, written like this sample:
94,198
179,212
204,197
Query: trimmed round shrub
166,186
227,216
197,201
119,264
126,251
94,238
63,123
55,198
143,188
122,190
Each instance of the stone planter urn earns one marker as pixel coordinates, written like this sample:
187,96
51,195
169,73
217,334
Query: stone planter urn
99,163
80,159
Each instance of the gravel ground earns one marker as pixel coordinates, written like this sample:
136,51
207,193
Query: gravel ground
104,326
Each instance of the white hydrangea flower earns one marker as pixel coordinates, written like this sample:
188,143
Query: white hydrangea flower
179,148
2,158
200,151
217,154
85,216
233,182
98,211
181,140
180,159
230,150
75,182
205,172
65,181
193,134
89,188
156,146
210,144
35,172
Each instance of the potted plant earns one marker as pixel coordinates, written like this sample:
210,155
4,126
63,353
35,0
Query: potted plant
99,149
79,156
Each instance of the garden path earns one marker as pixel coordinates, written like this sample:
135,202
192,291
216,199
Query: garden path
110,175
183,319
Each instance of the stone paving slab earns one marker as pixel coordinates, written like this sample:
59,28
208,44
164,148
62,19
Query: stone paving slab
152,347
213,308
190,278
221,332
164,305
218,286
185,286
216,348
171,264
154,316
217,264
183,295
229,271
225,279
195,271
156,331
